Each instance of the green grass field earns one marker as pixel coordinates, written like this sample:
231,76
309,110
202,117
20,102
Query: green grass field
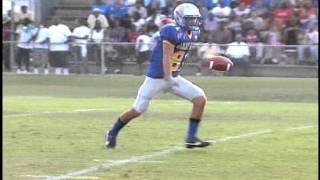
53,127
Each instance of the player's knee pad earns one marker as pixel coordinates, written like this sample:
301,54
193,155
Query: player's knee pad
141,105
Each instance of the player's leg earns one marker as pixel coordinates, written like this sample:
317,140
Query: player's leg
147,90
198,98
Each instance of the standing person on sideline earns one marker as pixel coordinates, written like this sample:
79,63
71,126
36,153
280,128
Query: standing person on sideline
166,62
25,31
142,48
80,35
97,36
41,48
60,36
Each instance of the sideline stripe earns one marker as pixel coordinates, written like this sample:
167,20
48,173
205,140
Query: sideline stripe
48,112
143,158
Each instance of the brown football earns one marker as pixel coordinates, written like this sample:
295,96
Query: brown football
220,63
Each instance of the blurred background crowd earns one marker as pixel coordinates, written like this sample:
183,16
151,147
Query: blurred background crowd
253,24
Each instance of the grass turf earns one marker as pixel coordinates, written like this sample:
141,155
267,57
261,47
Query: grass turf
61,139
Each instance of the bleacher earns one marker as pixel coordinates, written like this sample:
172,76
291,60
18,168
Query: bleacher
70,10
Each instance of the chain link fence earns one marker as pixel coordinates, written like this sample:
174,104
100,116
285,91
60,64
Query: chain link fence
108,58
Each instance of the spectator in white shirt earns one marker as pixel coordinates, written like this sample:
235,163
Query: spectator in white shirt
41,48
80,35
242,10
25,31
60,36
142,48
210,23
221,11
129,2
206,52
97,35
156,18
313,41
238,52
138,21
97,16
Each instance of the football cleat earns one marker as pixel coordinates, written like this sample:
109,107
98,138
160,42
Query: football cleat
110,140
196,143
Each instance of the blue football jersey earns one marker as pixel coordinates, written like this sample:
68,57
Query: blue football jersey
181,41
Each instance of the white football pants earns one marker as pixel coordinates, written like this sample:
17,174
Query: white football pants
151,87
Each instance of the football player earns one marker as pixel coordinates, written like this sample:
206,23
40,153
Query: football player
166,62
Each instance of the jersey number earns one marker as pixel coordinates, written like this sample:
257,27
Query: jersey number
177,59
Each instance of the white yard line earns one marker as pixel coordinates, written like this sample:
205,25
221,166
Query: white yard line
79,177
112,161
299,128
258,133
144,158
50,112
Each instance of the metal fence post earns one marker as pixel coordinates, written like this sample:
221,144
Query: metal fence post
102,59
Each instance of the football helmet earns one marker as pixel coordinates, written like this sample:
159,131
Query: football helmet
187,16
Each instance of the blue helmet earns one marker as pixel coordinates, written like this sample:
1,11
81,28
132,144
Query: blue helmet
187,16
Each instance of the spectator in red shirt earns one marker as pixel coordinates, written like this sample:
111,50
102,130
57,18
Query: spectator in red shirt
246,2
132,34
283,13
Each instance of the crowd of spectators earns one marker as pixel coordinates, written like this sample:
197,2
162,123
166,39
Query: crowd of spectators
251,23
260,22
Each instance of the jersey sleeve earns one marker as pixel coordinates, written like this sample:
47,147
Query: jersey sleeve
169,33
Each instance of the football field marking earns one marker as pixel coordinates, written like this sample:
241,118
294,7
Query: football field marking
142,158
299,128
51,112
79,177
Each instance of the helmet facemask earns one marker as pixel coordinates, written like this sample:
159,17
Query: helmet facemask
192,23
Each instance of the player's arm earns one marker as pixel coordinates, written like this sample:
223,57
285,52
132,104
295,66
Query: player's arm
168,49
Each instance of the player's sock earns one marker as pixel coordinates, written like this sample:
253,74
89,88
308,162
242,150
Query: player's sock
117,127
193,128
